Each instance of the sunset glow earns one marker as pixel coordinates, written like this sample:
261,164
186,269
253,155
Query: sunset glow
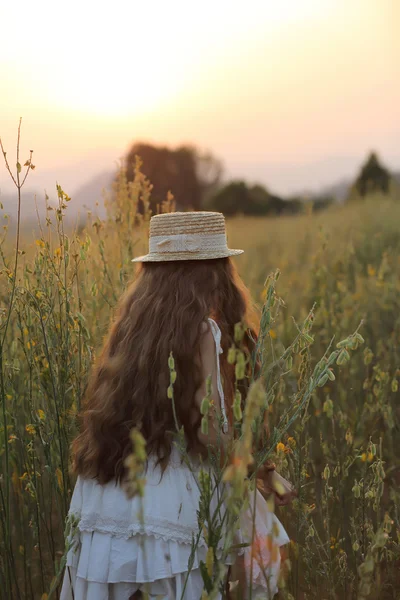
313,78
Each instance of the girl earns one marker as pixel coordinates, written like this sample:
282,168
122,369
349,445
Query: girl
186,300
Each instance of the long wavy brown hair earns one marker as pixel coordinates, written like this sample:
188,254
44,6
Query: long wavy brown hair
162,311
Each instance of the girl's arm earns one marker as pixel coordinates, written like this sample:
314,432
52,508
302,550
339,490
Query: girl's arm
208,365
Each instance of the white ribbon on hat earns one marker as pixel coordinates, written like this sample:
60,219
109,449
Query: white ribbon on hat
187,243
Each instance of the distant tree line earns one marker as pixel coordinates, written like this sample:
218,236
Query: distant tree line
194,178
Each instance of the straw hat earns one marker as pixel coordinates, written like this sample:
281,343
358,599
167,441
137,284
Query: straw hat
187,236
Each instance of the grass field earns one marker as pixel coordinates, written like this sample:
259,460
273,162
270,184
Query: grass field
342,452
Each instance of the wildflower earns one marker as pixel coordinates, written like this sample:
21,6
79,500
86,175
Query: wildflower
371,271
41,414
12,438
8,396
280,447
364,456
292,442
40,243
349,437
272,334
30,429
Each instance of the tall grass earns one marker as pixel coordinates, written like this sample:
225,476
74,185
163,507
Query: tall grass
57,296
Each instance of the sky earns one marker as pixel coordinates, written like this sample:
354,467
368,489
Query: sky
291,93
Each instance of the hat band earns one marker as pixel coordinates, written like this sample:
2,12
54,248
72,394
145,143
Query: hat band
183,242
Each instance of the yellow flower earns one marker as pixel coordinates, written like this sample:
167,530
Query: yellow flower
12,438
272,334
8,396
292,442
41,414
363,457
30,429
40,243
370,457
371,271
280,447
57,252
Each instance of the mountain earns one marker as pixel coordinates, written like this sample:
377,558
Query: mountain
90,196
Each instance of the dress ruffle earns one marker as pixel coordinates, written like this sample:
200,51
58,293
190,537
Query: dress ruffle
123,544
105,567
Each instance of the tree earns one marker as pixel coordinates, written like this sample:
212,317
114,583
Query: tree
186,172
237,197
373,177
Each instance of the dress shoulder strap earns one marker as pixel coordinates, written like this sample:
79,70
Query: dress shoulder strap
216,332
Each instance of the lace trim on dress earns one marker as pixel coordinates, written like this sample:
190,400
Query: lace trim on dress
158,527
217,338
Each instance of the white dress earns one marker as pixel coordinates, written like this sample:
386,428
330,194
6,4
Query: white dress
123,545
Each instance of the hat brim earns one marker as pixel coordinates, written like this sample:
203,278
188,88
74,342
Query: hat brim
174,256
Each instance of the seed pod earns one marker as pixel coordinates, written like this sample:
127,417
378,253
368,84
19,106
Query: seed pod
311,531
322,381
238,333
360,338
343,357
343,343
331,375
356,546
353,343
289,363
205,406
173,376
328,408
239,371
232,355
327,472
356,490
171,362
204,426
332,356
237,409
208,386
170,392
